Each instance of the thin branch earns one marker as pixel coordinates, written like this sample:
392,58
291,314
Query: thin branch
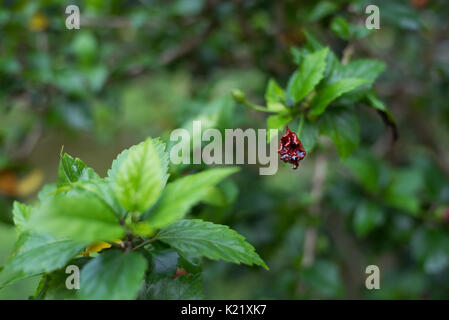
317,194
145,243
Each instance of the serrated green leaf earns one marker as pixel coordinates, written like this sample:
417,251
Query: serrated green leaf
310,73
113,275
180,288
274,96
328,94
368,69
20,213
139,174
181,195
78,217
200,238
342,127
35,253
72,170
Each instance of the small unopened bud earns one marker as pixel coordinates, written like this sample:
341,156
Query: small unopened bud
238,95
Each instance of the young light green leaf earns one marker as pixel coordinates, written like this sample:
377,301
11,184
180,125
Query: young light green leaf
35,253
200,238
274,96
20,213
77,216
113,275
73,169
342,127
308,76
139,175
181,195
328,94
102,190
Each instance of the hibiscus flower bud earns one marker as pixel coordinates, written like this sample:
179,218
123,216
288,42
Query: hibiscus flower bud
291,149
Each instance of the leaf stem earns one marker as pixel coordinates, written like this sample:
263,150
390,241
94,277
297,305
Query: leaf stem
145,243
301,124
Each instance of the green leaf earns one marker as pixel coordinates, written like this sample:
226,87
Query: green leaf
310,73
20,213
113,275
374,102
369,171
180,288
53,286
403,192
367,217
181,195
277,122
323,277
102,190
341,27
200,238
139,175
328,94
309,135
342,127
35,253
77,216
72,170
368,69
275,96
164,263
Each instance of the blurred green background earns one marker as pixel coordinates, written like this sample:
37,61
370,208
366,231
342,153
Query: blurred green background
143,68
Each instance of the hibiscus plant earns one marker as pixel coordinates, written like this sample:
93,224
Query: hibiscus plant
126,233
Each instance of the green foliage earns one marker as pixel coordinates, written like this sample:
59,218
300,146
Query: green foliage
200,238
87,215
181,195
36,253
139,176
319,83
113,275
144,68
308,76
77,216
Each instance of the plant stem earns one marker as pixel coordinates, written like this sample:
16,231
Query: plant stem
144,243
301,124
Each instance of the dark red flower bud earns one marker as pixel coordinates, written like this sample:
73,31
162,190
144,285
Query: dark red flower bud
291,149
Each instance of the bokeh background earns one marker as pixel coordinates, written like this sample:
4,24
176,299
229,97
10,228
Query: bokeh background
143,68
